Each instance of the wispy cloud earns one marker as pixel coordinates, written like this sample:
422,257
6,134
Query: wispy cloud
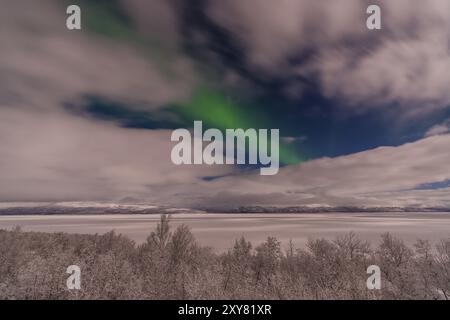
439,129
403,64
383,176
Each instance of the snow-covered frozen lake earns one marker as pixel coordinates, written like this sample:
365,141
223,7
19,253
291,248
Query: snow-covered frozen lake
220,230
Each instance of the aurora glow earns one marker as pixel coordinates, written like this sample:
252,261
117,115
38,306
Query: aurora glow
219,111
213,107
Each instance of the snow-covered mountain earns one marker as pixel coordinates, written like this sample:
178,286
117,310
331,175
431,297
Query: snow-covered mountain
323,209
83,207
124,207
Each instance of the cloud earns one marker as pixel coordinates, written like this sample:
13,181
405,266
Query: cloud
439,129
157,19
283,28
404,64
47,153
388,176
289,140
408,72
55,156
43,64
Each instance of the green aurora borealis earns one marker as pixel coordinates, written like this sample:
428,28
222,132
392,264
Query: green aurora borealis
213,107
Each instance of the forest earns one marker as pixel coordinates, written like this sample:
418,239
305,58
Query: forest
171,264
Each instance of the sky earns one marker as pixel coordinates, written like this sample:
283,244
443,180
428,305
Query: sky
364,115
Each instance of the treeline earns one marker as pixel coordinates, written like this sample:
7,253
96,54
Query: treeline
172,265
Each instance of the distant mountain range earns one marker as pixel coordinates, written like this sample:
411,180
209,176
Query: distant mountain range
91,207
39,208
323,209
